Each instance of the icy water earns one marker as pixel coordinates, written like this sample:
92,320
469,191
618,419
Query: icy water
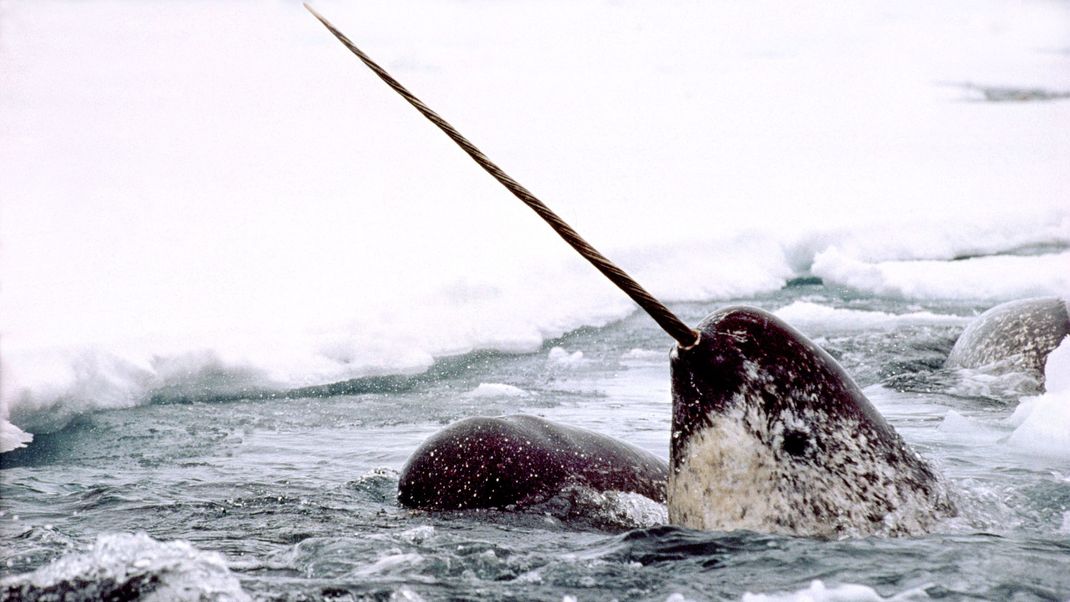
297,493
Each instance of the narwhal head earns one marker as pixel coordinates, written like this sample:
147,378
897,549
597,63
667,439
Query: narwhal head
770,434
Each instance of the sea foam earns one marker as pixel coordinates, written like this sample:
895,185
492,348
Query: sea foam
122,565
847,592
808,313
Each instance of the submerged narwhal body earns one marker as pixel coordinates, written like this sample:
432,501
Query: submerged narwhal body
769,432
517,461
1016,336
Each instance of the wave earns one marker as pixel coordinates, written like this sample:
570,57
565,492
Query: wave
807,313
129,566
819,592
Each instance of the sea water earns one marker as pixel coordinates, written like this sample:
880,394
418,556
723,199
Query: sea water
242,281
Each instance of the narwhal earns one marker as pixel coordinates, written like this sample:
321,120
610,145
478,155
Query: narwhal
769,433
1017,336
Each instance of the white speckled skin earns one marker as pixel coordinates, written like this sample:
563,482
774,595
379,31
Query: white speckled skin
771,435
1016,336
735,475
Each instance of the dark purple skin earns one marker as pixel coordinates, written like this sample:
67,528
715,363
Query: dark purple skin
516,461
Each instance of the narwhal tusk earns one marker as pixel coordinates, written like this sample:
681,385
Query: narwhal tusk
677,329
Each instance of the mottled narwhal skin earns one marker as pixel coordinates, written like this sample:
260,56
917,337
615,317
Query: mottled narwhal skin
1018,335
770,434
520,460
